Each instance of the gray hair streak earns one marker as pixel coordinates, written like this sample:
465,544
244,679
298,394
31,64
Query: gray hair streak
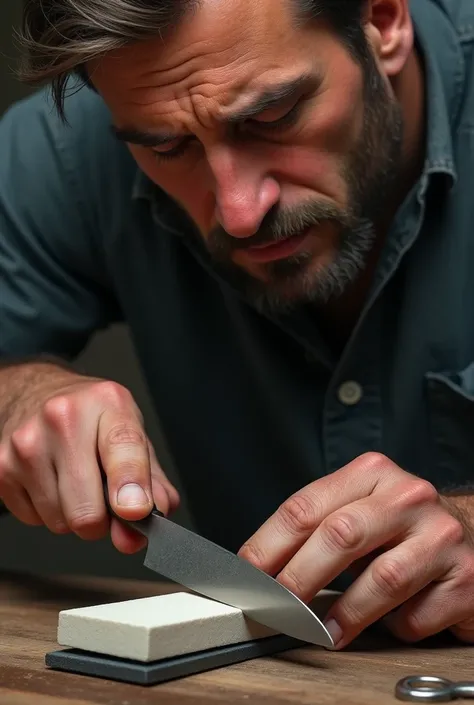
58,37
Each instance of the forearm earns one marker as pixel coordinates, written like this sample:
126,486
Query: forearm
460,503
25,384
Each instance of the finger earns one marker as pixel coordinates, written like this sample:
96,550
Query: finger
18,503
165,495
345,536
125,539
32,464
20,506
442,605
273,544
42,487
391,580
166,499
464,631
71,432
12,493
124,455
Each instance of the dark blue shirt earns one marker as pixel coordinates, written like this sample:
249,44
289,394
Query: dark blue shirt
253,407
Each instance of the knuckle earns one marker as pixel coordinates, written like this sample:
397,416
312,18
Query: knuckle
113,393
85,517
452,532
126,434
375,465
343,531
390,576
374,459
413,627
251,552
293,581
26,442
421,492
60,411
349,615
463,574
298,514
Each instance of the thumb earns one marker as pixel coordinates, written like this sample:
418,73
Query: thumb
124,456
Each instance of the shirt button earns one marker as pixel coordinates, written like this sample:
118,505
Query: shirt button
350,393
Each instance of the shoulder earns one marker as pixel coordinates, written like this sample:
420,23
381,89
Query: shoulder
81,147
461,15
65,185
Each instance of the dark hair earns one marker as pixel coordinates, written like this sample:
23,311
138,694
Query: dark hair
59,36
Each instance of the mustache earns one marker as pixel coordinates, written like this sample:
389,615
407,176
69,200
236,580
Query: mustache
281,224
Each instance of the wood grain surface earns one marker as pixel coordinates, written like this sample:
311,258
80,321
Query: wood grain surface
363,674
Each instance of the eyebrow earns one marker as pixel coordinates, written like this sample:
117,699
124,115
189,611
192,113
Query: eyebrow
270,98
142,137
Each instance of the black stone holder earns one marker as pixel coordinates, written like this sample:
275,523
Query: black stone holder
89,663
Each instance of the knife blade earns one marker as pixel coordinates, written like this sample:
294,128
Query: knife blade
210,570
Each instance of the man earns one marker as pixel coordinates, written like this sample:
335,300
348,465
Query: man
276,198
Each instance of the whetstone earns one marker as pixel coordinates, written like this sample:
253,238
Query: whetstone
159,627
154,639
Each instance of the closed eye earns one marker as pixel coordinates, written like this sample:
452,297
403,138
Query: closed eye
286,120
166,152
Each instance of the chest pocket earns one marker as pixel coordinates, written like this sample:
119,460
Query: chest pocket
450,402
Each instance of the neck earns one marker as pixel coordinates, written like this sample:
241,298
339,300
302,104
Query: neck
338,319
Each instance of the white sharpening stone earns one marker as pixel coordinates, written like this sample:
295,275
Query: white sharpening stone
153,628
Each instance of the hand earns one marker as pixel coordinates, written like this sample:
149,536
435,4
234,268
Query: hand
50,463
408,551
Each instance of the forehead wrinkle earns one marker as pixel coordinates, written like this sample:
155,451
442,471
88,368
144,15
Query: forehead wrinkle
207,75
222,86
178,97
189,72
211,105
178,66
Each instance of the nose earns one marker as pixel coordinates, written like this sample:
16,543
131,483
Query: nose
244,191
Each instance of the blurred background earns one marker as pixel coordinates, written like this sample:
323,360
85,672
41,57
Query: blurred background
109,355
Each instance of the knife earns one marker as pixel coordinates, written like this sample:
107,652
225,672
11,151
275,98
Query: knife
210,570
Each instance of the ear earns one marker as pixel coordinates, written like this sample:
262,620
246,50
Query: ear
390,30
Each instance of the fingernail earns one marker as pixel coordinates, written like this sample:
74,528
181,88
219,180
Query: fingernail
334,630
132,495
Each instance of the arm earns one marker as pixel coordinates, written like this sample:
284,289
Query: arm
59,429
55,287
460,503
17,381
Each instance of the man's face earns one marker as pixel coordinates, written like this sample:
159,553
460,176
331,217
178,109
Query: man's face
277,144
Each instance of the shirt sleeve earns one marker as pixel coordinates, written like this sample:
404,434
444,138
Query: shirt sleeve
55,291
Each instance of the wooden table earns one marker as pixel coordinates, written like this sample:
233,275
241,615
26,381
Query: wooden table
364,674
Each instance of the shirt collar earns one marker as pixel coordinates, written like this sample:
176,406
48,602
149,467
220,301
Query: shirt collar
143,187
444,68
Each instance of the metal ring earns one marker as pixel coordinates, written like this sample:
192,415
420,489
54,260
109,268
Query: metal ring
424,688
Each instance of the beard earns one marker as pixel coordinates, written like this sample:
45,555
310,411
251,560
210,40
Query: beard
371,173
